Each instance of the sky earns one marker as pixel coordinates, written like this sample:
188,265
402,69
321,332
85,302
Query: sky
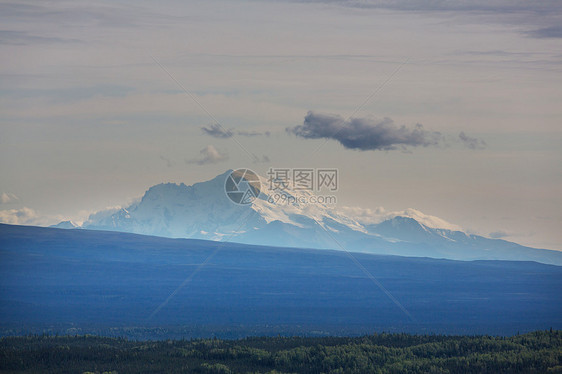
451,108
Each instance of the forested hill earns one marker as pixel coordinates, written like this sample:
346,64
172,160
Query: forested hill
92,281
537,352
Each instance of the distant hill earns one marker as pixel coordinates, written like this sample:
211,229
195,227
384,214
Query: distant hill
87,280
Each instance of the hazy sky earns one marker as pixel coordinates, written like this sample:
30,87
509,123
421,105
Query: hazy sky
92,112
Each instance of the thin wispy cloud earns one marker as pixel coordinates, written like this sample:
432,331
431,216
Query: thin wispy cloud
483,6
544,13
12,37
365,134
6,197
498,234
547,32
91,14
470,142
253,133
208,155
264,159
217,131
169,162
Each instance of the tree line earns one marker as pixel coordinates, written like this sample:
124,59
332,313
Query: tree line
536,352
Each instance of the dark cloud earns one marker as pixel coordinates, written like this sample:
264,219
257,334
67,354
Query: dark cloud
472,143
547,32
217,131
365,133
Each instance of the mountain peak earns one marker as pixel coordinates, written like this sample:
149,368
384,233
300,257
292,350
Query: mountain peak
204,211
65,225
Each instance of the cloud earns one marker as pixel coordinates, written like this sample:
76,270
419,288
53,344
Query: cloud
263,160
364,133
217,131
367,216
23,216
472,143
63,13
12,37
7,197
102,216
169,162
547,32
28,216
253,133
481,6
544,13
498,234
209,155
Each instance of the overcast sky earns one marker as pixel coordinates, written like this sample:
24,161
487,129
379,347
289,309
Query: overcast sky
452,108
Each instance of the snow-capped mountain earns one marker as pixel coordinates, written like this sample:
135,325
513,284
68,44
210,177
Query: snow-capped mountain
65,225
204,211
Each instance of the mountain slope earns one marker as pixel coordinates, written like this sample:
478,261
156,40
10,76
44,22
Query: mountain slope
82,279
203,211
